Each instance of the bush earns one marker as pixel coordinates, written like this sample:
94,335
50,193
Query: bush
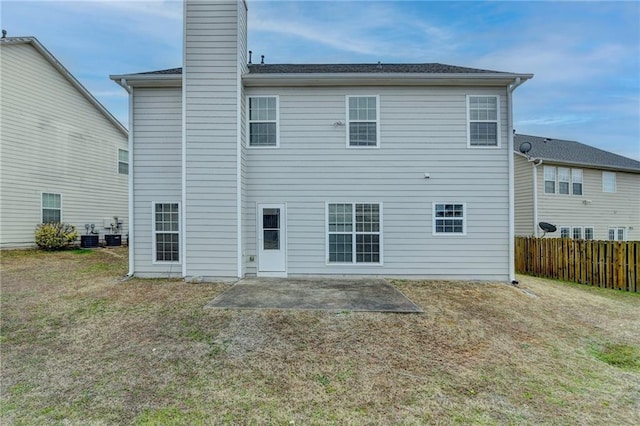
55,236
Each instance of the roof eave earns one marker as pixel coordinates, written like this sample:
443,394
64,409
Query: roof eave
149,80
377,79
580,163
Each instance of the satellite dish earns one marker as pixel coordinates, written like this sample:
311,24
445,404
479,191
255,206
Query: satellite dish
525,147
547,227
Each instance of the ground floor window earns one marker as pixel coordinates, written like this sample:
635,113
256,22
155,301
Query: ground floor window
565,232
51,208
354,233
166,231
449,219
617,234
577,233
588,233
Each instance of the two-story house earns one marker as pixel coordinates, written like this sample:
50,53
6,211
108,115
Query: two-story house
64,157
587,193
337,169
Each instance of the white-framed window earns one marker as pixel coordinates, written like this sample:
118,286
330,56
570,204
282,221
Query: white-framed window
576,233
576,181
588,232
354,233
483,127
166,232
363,121
608,182
549,180
617,233
123,161
565,232
263,121
449,218
51,207
562,180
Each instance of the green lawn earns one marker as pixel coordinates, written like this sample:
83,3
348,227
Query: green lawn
79,346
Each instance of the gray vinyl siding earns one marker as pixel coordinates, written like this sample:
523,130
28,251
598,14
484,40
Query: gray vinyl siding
422,129
523,200
53,139
157,171
593,208
211,84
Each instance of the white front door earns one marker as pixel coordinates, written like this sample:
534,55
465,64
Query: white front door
272,241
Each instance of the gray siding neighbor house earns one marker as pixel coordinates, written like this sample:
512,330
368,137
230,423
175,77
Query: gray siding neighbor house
336,169
63,155
586,192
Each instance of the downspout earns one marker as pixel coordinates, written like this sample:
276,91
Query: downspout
183,186
129,89
512,234
535,194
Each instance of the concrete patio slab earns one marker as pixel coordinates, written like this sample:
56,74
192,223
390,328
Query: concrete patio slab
331,294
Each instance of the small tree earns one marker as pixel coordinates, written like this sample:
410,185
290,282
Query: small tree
55,236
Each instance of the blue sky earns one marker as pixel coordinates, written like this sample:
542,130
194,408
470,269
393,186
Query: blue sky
585,55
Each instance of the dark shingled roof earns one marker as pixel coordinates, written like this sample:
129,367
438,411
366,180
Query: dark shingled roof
432,68
573,152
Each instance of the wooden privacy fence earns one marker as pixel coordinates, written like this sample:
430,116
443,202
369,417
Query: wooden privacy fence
606,264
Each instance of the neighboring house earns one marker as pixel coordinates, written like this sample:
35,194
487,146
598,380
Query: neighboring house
371,169
64,157
587,193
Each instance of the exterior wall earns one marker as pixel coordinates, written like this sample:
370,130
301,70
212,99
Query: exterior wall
594,208
423,129
211,81
523,200
53,140
157,171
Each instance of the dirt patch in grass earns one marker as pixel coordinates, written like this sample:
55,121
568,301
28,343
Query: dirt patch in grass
79,346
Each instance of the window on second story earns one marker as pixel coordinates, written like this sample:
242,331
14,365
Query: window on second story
549,180
483,128
608,182
576,181
263,121
564,178
123,162
362,121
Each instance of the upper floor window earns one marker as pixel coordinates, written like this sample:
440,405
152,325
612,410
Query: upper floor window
608,182
51,208
363,121
483,112
562,180
123,161
263,121
449,219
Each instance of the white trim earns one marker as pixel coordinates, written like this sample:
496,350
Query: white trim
616,230
449,234
497,121
42,205
248,123
183,79
154,232
347,121
130,200
239,100
581,228
380,234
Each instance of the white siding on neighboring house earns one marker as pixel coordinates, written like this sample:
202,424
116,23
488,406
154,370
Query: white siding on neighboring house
157,171
594,208
211,83
53,140
422,130
524,212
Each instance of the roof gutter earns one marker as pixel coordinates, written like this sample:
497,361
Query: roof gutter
512,233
